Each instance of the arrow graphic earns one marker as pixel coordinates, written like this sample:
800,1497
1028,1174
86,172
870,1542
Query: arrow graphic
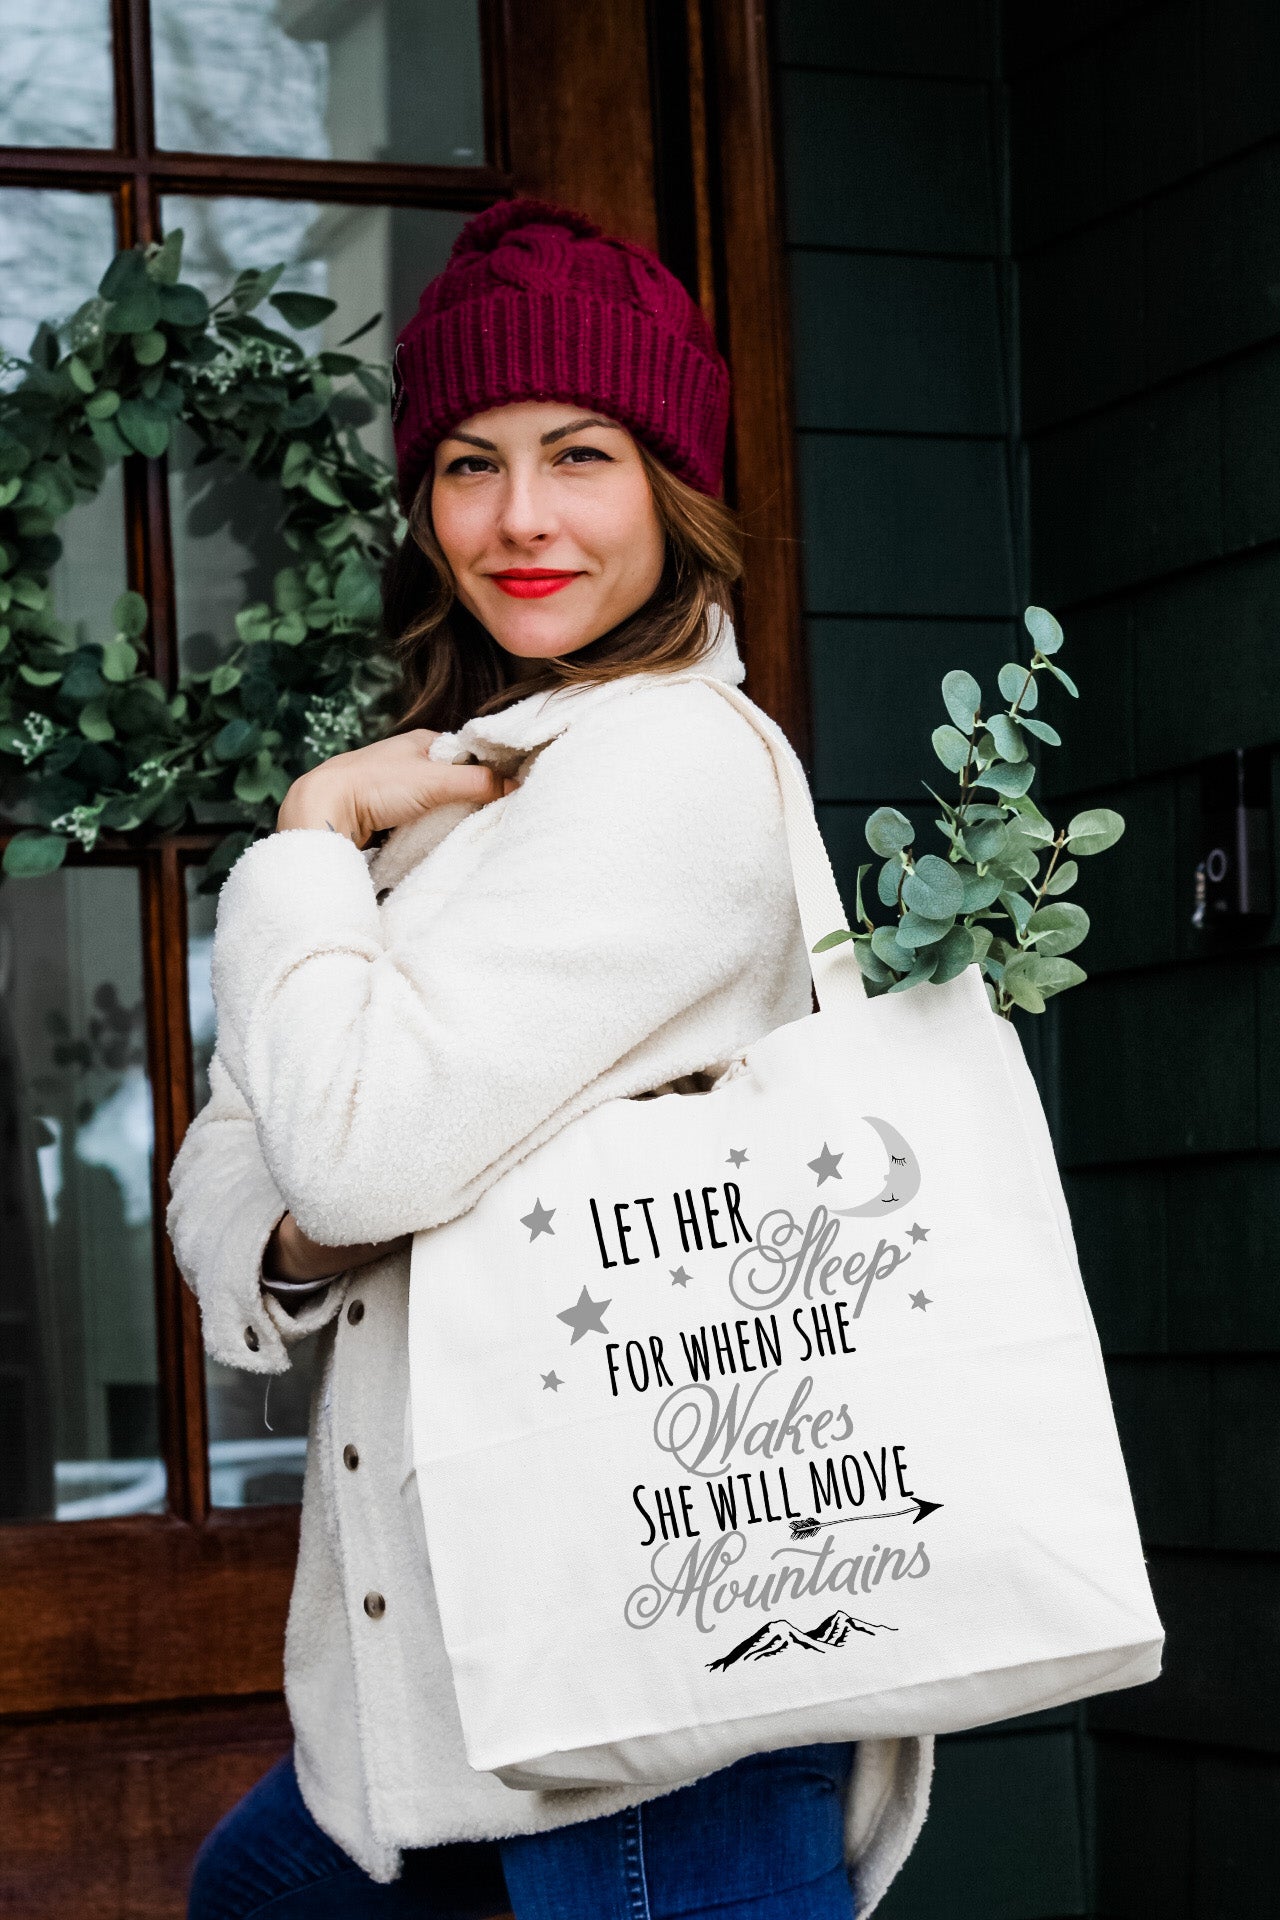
919,1510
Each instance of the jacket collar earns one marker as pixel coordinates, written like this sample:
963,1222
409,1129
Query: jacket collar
504,739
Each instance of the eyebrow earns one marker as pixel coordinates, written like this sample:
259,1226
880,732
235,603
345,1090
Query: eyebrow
547,440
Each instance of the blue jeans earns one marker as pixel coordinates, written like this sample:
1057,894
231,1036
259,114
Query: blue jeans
760,1840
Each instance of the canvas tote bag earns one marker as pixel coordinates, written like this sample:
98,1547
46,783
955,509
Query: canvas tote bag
775,1414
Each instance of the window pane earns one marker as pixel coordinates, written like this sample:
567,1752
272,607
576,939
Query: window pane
257,1433
79,1396
54,249
226,544
324,79
55,73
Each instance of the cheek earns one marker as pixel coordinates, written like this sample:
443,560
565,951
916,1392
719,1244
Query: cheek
460,522
627,532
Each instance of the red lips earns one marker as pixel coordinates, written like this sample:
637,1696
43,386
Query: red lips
532,583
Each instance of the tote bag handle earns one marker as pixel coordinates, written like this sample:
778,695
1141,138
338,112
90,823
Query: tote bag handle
837,977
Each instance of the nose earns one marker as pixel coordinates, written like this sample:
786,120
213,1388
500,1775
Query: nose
526,517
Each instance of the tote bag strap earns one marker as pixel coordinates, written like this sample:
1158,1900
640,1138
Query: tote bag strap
836,974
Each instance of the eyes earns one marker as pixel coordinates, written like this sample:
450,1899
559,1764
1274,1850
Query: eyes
468,464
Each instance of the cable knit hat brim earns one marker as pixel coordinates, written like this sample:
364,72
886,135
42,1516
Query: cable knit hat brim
537,303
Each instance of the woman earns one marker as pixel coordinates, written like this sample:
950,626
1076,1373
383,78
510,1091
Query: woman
584,895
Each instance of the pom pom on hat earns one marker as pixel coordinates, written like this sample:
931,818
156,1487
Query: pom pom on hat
538,303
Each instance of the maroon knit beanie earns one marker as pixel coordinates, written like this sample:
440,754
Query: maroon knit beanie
537,303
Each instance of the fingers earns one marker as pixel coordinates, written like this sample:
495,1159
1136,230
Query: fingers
473,783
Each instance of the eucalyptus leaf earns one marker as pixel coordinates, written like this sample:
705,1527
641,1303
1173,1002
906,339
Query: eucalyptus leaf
1063,877
1065,678
32,852
888,880
303,310
1042,730
915,931
860,911
1018,909
955,953
1058,928
934,889
119,660
962,697
951,747
888,831
95,722
1010,744
924,969
872,968
1043,628
1011,781
829,940
981,938
1094,831
886,949
982,891
1018,983
183,306
129,615
144,426
987,841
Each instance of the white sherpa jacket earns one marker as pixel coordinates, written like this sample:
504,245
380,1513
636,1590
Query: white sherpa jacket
396,1028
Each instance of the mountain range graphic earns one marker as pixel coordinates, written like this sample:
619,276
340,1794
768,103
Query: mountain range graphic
779,1636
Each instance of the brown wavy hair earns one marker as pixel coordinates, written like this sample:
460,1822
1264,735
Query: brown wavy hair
452,668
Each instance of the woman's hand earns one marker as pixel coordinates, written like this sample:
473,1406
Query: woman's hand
386,784
290,1255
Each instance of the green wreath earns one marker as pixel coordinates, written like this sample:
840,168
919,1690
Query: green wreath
95,740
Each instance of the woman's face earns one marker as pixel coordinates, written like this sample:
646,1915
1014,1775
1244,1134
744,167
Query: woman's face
544,513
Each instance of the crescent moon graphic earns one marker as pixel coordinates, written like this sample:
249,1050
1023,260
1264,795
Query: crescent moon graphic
901,1181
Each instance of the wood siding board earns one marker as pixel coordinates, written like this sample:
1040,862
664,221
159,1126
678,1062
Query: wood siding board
1163,1065
1235,1819
1128,494
1240,58
910,525
1219,1610
1144,1800
1098,732
877,686
1211,262
1164,1412
896,163
1207,670
1119,1216
1134,892
955,38
1081,300
897,342
1002,1838
1221,1251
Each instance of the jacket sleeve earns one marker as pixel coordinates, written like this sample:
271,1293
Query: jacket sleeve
639,868
223,1205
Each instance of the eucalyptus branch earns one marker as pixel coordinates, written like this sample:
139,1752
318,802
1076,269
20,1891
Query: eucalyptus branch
986,902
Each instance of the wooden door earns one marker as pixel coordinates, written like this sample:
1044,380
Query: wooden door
141,1629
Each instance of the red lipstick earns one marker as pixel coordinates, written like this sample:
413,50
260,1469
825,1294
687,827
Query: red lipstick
532,583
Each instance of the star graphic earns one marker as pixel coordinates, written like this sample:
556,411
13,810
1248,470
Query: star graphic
827,1164
679,1278
552,1380
584,1316
539,1221
920,1300
737,1155
919,1233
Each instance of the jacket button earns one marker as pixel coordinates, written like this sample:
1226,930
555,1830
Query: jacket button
374,1605
355,1312
251,1339
381,894
350,1458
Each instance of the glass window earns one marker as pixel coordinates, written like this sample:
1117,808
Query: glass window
55,73
226,543
79,1396
257,1431
55,247
396,80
